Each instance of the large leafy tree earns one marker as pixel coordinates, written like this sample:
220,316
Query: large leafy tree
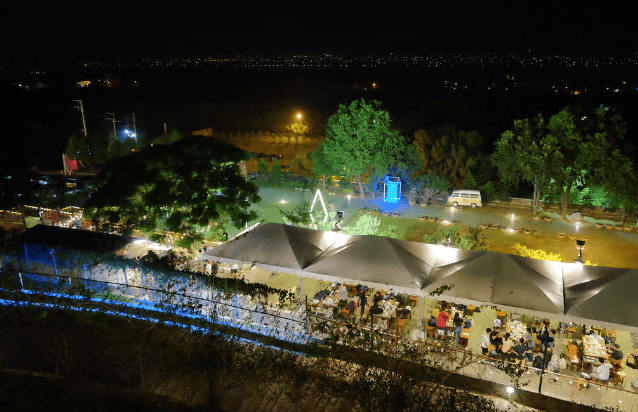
359,139
556,153
181,185
90,150
449,152
619,178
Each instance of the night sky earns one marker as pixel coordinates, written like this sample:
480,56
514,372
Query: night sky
70,30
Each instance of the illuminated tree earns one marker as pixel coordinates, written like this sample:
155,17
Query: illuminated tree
191,182
298,127
449,152
359,139
558,152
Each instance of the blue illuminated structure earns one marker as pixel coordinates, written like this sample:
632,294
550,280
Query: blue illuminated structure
391,189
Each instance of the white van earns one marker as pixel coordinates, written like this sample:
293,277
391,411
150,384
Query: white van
465,197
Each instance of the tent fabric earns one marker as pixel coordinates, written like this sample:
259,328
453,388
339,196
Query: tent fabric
601,294
592,293
502,279
376,259
275,245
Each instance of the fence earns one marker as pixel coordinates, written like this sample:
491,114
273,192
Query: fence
192,299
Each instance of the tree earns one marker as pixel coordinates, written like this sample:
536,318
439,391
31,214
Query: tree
301,164
618,177
557,152
431,185
359,138
91,150
449,152
191,182
298,127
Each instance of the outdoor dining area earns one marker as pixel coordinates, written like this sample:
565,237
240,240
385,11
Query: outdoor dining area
454,296
380,310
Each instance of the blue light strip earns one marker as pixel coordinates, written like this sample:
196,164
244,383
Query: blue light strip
7,302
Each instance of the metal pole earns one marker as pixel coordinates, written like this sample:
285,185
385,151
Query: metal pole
83,119
134,128
540,383
165,132
26,255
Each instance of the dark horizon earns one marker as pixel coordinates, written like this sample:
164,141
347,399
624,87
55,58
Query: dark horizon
42,31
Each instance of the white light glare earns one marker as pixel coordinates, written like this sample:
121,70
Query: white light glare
510,390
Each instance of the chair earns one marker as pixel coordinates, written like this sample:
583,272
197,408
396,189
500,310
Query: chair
400,325
570,333
618,378
430,331
502,315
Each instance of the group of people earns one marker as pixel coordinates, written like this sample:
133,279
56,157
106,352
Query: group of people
504,346
458,321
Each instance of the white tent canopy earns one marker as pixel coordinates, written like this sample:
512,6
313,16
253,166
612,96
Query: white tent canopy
543,288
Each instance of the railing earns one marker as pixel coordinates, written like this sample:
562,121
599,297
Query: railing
217,307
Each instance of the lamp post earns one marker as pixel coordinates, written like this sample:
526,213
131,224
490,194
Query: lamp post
580,245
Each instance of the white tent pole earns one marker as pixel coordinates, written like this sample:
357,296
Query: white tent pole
562,336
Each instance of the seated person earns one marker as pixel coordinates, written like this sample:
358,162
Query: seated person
521,350
405,313
497,323
508,346
377,298
376,309
529,339
615,369
343,293
602,371
616,355
441,321
496,340
468,324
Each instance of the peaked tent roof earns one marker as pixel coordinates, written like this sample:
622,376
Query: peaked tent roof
275,245
374,259
592,293
602,294
502,279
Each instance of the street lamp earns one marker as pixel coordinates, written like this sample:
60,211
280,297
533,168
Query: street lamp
299,116
580,245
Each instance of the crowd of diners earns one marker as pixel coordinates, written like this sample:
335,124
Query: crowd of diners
384,310
523,342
